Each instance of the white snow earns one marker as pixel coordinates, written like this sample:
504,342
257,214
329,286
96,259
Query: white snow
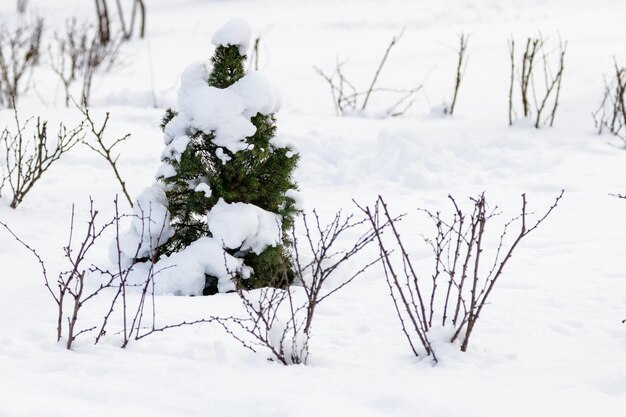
297,198
214,110
279,141
223,112
165,171
176,148
550,343
150,226
183,272
244,226
236,31
176,127
204,188
258,94
219,152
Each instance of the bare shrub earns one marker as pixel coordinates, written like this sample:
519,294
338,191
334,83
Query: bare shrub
19,53
84,281
280,320
347,99
69,290
464,274
68,54
77,54
611,115
534,99
26,160
460,72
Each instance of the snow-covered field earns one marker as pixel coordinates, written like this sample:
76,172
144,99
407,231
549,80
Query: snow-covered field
550,343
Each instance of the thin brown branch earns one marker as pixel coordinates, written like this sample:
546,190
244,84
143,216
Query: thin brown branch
104,150
460,70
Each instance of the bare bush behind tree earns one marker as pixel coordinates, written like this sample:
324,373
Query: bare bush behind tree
254,54
138,11
21,5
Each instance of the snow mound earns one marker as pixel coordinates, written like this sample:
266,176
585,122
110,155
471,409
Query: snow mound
176,127
204,188
236,31
258,94
183,272
298,200
244,226
165,171
175,148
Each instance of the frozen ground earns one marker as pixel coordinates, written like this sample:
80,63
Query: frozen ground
551,343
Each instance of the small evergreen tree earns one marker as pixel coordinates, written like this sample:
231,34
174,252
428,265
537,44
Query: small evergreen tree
204,172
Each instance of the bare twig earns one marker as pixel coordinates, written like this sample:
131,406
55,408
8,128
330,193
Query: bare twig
460,71
254,60
138,5
104,150
394,40
611,114
512,57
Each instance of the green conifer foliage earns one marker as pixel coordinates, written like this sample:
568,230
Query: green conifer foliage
259,175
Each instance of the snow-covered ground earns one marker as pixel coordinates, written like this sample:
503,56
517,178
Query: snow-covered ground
550,343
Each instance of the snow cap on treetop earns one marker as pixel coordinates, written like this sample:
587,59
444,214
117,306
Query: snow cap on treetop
235,32
223,112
